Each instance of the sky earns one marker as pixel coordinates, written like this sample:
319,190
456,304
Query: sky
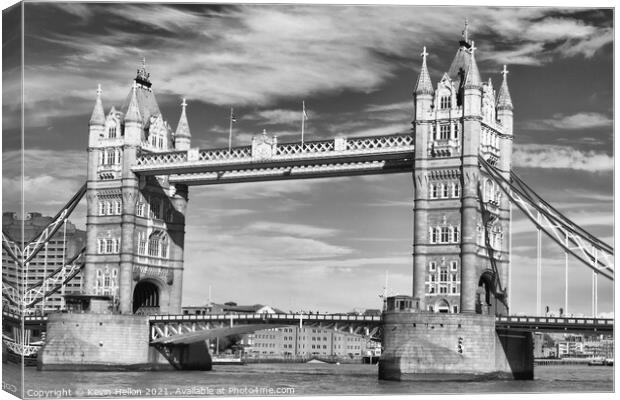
327,244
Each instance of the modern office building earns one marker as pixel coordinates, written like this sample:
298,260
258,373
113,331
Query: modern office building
63,246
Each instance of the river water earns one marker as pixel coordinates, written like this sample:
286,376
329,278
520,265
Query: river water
287,379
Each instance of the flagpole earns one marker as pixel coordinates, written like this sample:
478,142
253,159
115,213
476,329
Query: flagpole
303,120
230,130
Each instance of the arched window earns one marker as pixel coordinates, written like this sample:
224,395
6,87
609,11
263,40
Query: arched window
444,102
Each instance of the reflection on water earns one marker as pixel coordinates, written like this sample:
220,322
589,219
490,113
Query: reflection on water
289,379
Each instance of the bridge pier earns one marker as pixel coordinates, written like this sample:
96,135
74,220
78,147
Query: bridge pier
99,342
433,346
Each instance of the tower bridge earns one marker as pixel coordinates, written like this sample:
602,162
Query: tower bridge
459,156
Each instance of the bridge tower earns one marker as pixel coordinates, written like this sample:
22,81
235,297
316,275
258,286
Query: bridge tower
461,219
135,225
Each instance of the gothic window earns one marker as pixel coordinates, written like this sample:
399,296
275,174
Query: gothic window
100,246
443,289
110,156
164,247
455,234
109,246
444,102
434,235
434,191
445,234
117,245
141,243
444,132
112,131
456,190
445,193
102,207
154,246
432,266
108,205
443,275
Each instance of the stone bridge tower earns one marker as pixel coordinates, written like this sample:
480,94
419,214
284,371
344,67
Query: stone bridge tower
461,218
135,224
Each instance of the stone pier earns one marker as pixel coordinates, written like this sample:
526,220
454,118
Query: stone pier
433,346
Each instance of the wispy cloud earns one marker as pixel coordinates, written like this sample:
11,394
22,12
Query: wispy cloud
582,120
552,156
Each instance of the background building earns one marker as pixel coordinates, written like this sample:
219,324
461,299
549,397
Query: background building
64,245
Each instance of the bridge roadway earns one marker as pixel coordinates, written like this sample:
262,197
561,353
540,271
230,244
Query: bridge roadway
163,326
268,160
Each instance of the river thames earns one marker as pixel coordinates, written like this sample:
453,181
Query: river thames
288,380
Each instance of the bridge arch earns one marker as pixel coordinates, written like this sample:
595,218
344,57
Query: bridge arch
442,306
147,297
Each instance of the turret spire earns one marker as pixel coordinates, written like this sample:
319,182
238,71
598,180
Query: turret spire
424,84
133,112
143,77
473,74
504,101
183,126
98,116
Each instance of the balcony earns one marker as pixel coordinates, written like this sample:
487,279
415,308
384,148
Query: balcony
444,148
109,171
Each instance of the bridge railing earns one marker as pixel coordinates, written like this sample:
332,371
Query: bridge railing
254,316
282,151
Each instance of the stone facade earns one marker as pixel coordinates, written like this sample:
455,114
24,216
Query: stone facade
461,218
98,342
136,226
432,346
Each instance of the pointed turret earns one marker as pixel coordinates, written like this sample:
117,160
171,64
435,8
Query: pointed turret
98,116
472,79
424,84
504,101
182,136
133,111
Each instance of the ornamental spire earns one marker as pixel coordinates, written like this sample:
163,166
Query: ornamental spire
183,125
143,77
98,116
133,112
473,74
504,101
424,84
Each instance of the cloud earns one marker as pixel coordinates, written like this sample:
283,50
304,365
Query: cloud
552,156
582,120
290,229
275,117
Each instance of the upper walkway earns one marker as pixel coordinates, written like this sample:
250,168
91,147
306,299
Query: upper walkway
265,159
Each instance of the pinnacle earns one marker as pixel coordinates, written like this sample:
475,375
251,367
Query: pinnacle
133,112
183,125
473,74
424,84
504,101
98,116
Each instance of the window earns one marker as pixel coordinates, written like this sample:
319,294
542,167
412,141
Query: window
445,234
445,191
432,266
110,156
433,235
456,190
444,102
454,265
444,132
109,246
443,289
108,205
455,309
112,131
434,191
102,207
453,289
100,246
431,289
455,234
117,246
119,207
443,275
141,243
453,276
117,154
456,131
140,209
